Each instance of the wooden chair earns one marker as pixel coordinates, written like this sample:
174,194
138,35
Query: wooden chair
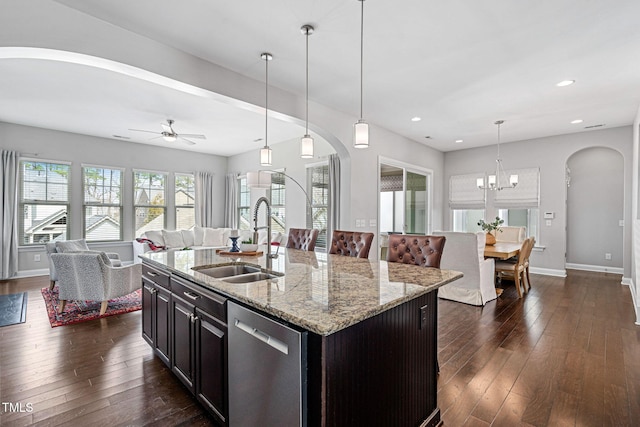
517,269
351,243
425,251
302,238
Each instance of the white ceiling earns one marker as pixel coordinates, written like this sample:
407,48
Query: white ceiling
459,65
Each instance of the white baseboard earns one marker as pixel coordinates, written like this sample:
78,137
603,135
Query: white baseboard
598,268
548,271
31,273
628,281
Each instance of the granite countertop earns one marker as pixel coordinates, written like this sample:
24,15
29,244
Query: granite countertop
318,292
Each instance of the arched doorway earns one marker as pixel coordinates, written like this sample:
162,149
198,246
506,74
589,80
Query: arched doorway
595,209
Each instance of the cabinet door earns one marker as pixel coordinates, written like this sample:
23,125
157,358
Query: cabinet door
183,318
211,364
162,324
148,291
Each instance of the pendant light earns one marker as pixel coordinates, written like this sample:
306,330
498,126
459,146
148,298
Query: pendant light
494,182
306,143
361,128
265,152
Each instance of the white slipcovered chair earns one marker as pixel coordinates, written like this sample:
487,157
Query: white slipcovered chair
510,234
465,252
90,276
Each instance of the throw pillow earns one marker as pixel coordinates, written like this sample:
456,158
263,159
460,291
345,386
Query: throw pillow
173,239
71,246
213,237
188,238
198,235
156,237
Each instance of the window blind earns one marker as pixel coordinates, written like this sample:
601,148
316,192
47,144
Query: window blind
525,195
464,192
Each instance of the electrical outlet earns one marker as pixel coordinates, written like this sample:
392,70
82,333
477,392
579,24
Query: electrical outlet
36,258
621,223
548,223
607,256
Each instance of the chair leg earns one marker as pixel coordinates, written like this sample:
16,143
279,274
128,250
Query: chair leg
52,285
516,279
63,302
528,279
103,307
523,280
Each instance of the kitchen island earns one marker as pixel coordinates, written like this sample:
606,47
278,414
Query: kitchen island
364,337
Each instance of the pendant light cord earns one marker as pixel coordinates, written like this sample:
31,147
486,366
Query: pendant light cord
307,84
266,100
361,53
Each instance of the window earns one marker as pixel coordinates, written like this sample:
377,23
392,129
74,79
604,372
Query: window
318,183
522,217
244,204
102,195
466,220
44,202
149,201
184,201
278,203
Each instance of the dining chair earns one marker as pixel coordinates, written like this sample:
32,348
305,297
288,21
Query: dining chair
302,238
351,243
517,269
420,250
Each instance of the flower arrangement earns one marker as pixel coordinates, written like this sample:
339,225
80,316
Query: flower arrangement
491,226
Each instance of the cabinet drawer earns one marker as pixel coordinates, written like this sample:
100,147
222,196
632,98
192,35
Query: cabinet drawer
206,300
155,275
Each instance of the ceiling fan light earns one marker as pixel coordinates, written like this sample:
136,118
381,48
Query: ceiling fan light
306,147
361,134
265,156
169,138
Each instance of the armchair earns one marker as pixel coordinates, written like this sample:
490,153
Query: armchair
90,276
465,253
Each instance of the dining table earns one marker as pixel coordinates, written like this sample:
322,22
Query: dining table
502,250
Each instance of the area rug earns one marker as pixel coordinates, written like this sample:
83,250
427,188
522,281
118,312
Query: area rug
83,311
13,309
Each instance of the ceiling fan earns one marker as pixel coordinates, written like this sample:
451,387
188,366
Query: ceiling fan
169,135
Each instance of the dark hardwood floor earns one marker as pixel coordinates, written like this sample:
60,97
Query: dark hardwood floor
567,354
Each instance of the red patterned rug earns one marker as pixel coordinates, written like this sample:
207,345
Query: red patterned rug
82,311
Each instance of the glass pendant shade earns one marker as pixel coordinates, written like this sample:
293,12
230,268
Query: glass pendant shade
265,156
361,134
306,147
513,180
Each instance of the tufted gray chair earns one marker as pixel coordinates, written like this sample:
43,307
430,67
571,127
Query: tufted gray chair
90,276
351,243
302,238
415,249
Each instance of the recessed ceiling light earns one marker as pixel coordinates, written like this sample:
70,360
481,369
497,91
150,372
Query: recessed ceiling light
565,83
458,141
415,119
575,122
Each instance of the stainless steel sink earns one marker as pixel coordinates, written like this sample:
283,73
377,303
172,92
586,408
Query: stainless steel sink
227,270
249,277
236,273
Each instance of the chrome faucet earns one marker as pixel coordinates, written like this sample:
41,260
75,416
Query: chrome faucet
268,227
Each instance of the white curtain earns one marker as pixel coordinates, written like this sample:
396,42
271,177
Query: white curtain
9,215
333,222
204,199
231,201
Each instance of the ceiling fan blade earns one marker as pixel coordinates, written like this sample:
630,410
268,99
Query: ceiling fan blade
140,130
185,140
193,135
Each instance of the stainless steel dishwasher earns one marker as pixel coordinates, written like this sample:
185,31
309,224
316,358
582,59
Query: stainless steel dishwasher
267,364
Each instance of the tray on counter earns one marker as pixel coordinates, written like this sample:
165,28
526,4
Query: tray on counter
241,253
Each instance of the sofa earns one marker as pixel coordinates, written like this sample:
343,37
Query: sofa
465,252
196,238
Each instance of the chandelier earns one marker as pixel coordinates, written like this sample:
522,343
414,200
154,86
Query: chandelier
494,182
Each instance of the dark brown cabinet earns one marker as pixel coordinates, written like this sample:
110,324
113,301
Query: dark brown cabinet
156,320
211,364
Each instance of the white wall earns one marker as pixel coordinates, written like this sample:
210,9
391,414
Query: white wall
550,155
82,149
